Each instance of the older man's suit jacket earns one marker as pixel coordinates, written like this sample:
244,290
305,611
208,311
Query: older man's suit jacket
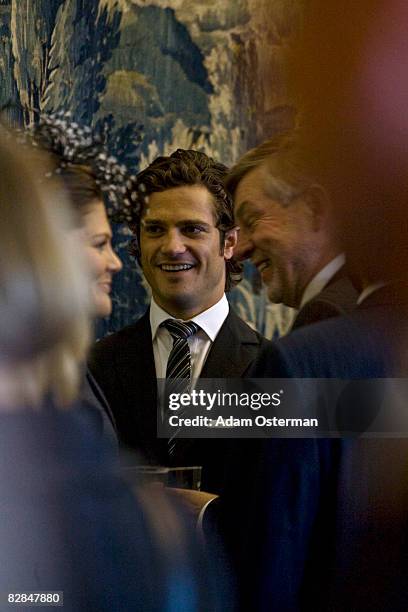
337,298
123,365
323,523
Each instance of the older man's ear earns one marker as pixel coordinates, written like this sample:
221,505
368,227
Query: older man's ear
318,204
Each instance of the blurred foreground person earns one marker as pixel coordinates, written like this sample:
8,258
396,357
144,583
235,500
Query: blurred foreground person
327,519
68,523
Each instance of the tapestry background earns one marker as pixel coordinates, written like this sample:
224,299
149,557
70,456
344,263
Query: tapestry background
204,74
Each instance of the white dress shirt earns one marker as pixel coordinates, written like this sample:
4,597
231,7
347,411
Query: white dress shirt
318,282
210,322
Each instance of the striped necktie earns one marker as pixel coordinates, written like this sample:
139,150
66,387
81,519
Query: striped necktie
179,362
179,368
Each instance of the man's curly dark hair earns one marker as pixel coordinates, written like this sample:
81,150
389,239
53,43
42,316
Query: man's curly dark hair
189,167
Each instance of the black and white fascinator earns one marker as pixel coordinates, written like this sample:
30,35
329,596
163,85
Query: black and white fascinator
70,144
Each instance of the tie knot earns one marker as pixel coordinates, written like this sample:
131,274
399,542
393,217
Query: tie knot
180,329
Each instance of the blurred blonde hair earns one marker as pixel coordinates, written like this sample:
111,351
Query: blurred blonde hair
44,287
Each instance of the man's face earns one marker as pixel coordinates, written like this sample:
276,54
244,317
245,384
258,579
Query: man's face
277,239
180,250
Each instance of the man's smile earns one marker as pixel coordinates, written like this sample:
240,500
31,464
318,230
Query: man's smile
179,267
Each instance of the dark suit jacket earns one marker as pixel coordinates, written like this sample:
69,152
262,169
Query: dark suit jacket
123,365
92,395
323,522
69,523
337,298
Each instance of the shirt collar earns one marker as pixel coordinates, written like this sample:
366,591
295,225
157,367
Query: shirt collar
321,279
210,321
368,291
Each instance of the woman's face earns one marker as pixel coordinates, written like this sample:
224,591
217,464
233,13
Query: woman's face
103,261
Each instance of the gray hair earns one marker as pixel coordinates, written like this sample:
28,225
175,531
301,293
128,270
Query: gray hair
286,174
278,189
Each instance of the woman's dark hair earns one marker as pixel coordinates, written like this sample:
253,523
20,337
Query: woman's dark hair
188,167
80,184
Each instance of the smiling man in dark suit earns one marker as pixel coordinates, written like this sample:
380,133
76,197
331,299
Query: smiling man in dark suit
287,230
185,237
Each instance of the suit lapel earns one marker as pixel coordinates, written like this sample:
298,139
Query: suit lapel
232,351
98,395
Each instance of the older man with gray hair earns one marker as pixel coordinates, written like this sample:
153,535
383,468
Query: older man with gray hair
287,230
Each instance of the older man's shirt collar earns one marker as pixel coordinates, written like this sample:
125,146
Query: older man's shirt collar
322,278
368,291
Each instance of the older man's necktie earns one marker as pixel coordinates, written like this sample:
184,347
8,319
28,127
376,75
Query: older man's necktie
178,371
